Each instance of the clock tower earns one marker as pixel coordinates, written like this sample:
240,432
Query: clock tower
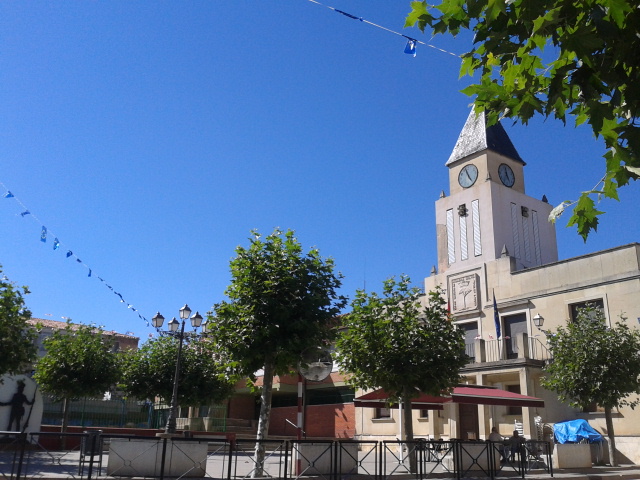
487,214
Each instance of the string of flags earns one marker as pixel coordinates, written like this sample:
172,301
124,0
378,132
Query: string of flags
410,47
46,234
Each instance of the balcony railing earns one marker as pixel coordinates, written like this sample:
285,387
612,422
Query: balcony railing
507,348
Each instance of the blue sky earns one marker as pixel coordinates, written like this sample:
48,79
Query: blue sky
151,137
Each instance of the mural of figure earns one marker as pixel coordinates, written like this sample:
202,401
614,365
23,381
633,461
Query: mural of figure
17,403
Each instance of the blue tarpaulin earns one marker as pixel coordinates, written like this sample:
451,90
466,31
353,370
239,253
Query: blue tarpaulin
575,431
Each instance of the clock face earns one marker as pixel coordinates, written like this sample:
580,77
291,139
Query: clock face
506,175
468,175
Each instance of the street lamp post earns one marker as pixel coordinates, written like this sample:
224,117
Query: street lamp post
196,321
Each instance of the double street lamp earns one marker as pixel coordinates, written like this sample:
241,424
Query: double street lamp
196,322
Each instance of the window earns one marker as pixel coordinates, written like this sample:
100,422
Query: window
514,325
593,408
470,334
424,414
383,412
575,307
514,410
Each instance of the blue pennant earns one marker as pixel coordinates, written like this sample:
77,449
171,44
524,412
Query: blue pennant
69,253
410,48
56,244
26,212
43,234
8,194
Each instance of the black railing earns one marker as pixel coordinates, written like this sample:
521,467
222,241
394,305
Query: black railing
95,455
507,348
538,350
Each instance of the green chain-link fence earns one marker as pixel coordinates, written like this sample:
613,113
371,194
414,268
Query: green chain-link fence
125,412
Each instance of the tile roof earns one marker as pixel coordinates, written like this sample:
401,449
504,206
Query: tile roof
57,325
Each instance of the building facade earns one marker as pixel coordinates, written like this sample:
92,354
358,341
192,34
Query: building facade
495,242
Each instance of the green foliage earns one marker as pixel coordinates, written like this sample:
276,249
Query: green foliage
281,302
79,363
392,342
149,371
593,363
557,58
16,337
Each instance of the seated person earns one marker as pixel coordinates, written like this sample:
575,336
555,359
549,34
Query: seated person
495,437
516,442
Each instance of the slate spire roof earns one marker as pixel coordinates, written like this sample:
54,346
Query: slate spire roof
476,137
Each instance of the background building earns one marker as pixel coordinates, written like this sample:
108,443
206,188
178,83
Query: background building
121,341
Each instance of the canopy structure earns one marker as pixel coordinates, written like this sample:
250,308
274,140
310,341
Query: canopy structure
470,394
484,395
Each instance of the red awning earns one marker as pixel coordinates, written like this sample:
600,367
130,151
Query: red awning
484,395
470,394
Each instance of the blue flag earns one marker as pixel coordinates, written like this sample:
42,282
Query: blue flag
496,317
26,212
8,194
56,244
43,234
410,48
69,253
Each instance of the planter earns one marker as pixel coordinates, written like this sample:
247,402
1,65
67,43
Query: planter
143,457
572,455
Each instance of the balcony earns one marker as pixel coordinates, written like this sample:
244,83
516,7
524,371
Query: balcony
517,349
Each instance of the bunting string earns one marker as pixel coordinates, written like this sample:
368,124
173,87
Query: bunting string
46,234
410,48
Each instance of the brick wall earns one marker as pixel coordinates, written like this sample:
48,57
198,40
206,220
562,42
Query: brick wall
327,421
241,406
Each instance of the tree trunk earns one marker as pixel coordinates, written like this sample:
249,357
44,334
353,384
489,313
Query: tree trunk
408,431
66,404
263,421
611,436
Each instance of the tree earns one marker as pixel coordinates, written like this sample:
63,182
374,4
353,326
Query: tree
16,337
559,58
149,371
79,362
393,342
595,364
281,302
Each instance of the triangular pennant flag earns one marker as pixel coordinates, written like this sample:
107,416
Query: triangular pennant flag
89,273
26,212
78,260
410,48
56,244
43,234
69,253
8,194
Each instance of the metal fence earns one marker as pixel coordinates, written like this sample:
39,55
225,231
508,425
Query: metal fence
125,412
93,455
